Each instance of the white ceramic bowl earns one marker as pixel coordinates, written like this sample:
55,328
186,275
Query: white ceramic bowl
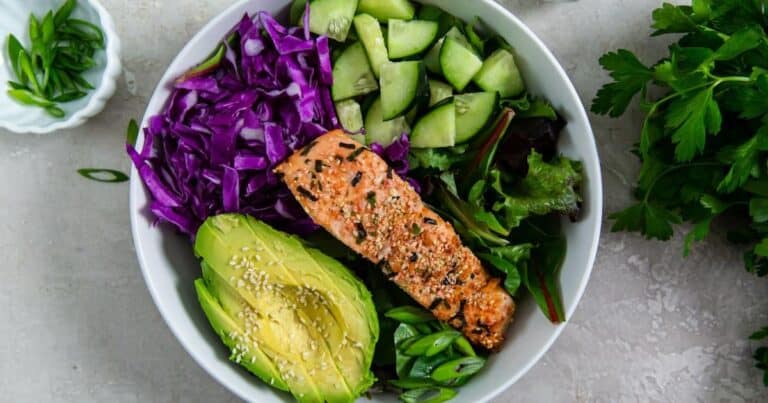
14,18
169,266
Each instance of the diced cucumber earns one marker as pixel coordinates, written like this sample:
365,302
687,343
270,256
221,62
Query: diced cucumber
432,58
445,20
412,114
500,74
383,132
408,38
404,85
473,112
332,18
459,63
352,75
383,10
369,31
439,91
437,128
350,115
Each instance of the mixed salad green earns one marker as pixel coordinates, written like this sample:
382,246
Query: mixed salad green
441,100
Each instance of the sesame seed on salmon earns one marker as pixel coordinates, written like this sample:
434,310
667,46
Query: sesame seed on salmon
353,194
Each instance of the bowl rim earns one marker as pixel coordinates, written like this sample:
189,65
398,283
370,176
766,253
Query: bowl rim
101,95
595,186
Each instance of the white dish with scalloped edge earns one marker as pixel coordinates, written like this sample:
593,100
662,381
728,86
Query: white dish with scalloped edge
169,267
14,19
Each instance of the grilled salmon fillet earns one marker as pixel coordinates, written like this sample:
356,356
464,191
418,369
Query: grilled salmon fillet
353,194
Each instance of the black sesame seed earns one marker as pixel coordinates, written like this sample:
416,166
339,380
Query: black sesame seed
356,179
435,303
308,147
430,221
306,193
318,166
361,234
414,257
354,154
371,197
347,145
389,172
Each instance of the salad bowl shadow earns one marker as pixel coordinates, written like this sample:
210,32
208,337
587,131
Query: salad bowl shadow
19,118
169,267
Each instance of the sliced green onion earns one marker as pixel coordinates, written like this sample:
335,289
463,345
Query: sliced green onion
17,86
432,344
412,383
132,133
428,395
84,26
103,175
14,48
409,314
63,13
29,74
463,346
26,97
81,82
69,96
55,111
461,367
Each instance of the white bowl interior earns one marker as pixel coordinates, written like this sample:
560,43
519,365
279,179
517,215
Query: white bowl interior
169,267
14,19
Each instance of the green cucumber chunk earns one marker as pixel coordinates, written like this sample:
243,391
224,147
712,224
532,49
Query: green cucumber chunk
377,130
351,118
409,38
383,10
404,85
459,63
352,75
437,128
332,18
432,58
473,112
369,31
500,74
438,91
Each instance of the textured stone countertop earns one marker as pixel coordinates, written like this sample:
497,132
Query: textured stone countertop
78,324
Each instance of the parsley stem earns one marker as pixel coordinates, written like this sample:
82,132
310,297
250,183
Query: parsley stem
675,168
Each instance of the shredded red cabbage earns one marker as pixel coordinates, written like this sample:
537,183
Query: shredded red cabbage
396,155
213,148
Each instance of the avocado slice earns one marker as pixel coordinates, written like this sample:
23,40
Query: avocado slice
293,316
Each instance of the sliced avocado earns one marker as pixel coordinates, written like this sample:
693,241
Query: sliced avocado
230,330
314,322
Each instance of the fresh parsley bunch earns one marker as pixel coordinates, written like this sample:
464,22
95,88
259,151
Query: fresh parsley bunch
704,142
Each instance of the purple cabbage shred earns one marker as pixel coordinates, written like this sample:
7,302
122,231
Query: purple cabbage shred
213,148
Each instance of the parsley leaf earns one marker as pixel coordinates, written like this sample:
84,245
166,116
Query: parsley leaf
692,118
630,75
651,220
744,160
672,19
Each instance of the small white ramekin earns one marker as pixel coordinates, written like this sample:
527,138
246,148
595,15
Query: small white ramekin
14,19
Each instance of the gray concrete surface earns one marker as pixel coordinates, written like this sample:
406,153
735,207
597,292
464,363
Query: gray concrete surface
77,323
